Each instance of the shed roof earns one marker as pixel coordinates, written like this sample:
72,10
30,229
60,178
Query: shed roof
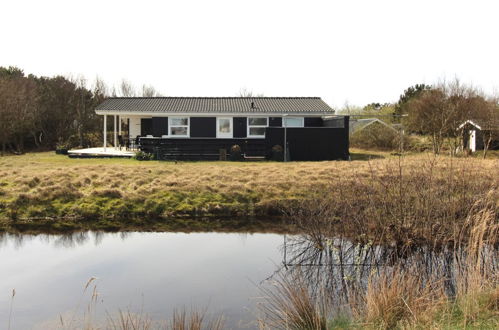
229,105
482,124
357,125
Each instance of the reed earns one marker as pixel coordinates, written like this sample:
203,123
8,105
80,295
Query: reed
194,320
291,306
400,294
9,322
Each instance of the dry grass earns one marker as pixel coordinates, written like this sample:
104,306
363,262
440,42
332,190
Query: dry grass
421,189
290,305
195,320
407,202
402,296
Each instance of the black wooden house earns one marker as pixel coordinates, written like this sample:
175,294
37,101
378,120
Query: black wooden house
197,128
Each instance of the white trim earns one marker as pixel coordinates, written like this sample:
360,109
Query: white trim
211,114
472,140
115,131
104,133
231,127
248,135
170,126
470,122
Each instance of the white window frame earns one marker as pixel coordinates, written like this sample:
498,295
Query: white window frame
229,135
170,126
284,119
248,126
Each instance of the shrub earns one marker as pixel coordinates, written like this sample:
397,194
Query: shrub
376,136
89,140
277,153
141,155
235,152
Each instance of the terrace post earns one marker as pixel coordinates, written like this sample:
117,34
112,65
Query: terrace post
285,137
105,132
119,125
115,131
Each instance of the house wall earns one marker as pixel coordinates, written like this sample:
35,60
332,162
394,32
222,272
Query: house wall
200,127
159,126
275,121
311,143
134,127
145,126
313,122
304,144
203,127
240,125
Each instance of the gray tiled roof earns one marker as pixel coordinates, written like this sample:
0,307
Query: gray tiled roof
312,105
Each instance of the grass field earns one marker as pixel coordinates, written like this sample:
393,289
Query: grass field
37,188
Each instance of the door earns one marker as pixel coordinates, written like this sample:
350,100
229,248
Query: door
473,140
224,127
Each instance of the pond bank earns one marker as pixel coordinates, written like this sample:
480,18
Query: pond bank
277,225
405,199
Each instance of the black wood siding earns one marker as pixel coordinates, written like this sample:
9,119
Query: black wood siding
146,126
200,148
311,143
275,121
159,126
240,127
313,122
203,126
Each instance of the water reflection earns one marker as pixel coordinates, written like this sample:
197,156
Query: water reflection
67,241
156,272
341,267
163,271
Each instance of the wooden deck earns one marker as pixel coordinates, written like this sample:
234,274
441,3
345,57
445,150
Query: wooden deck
109,152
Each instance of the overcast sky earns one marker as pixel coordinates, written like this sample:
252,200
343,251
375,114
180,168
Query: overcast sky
343,51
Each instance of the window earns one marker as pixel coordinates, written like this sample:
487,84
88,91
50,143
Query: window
179,126
224,127
256,126
292,122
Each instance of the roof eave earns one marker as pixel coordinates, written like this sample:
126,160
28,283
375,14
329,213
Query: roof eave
202,114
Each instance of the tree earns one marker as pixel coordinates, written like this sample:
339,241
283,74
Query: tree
439,111
244,92
149,91
126,89
488,115
428,115
409,94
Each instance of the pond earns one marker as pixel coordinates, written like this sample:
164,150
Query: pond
150,272
229,274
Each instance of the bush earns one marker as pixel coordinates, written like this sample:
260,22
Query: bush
377,136
89,140
141,155
235,153
277,153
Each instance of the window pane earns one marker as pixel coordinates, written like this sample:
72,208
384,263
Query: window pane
179,121
178,131
224,125
257,121
293,122
257,131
